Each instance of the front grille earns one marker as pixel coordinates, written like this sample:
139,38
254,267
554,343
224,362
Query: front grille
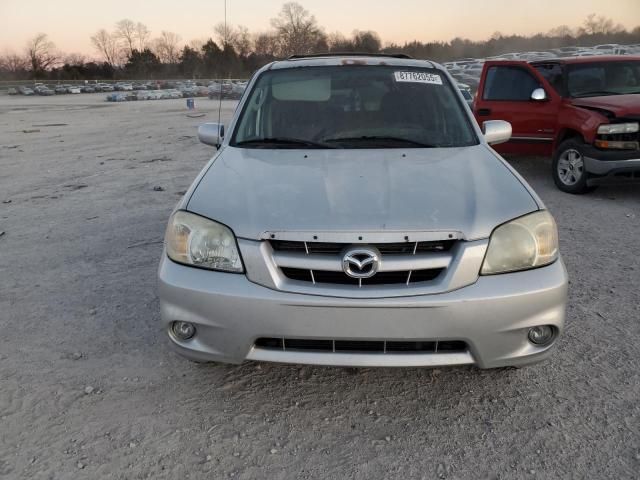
407,263
362,346
381,278
383,248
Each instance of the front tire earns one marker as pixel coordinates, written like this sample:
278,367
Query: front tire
568,168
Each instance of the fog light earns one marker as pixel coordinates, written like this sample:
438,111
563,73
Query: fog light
183,330
541,335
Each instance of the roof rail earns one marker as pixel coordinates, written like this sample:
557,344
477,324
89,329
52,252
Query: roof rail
351,54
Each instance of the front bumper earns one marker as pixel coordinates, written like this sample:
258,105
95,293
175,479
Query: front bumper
612,163
492,316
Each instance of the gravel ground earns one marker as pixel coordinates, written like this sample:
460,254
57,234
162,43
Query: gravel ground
90,389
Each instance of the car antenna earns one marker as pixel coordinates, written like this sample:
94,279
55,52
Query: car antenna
222,82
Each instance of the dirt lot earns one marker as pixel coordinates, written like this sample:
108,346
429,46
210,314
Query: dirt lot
90,389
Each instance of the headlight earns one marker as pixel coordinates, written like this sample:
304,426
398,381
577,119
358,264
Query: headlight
195,240
613,128
526,242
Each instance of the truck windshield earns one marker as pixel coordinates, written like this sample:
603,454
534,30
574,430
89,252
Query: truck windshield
603,78
353,107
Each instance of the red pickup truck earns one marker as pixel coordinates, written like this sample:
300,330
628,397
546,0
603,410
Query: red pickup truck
584,111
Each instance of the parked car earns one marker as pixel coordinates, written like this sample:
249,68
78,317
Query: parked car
202,91
465,90
124,87
12,91
155,94
582,111
607,49
238,88
117,97
44,90
170,93
385,235
60,89
73,89
143,95
106,87
87,89
217,88
25,90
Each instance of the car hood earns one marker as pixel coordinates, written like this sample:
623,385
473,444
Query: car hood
619,105
467,190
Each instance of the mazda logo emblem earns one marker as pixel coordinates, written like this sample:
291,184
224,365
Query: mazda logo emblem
362,262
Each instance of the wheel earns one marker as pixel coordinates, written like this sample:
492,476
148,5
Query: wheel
568,168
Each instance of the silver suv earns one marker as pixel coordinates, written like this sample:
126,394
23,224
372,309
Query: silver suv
355,214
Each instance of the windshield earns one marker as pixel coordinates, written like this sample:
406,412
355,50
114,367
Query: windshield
604,78
353,107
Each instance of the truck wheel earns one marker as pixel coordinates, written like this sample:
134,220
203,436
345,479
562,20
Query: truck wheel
568,167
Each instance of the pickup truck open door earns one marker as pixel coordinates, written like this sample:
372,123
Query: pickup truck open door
518,93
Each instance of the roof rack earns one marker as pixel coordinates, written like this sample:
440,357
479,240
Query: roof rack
351,54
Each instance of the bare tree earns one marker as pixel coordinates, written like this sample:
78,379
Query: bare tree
297,29
237,37
167,48
226,34
41,53
266,44
197,43
142,34
107,45
13,63
74,59
368,41
243,42
561,31
339,43
594,25
126,33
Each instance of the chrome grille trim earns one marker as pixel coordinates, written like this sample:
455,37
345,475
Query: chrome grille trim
363,237
389,263
322,262
463,270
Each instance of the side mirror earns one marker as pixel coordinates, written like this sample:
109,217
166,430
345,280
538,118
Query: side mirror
211,134
496,131
539,95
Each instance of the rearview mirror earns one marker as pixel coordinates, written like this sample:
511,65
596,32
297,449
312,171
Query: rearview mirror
496,131
539,95
211,134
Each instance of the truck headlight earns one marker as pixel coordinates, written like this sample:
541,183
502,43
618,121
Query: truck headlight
526,242
613,128
194,240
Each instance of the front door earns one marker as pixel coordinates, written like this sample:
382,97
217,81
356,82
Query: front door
505,94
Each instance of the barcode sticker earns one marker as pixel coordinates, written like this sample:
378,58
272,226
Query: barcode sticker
418,77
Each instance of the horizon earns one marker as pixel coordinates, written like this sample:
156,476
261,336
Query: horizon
22,20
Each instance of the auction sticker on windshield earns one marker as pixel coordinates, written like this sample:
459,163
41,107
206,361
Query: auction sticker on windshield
418,77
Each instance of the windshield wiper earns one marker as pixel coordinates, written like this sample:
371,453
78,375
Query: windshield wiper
380,139
268,141
596,93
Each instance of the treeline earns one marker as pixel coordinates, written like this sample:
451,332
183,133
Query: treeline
129,51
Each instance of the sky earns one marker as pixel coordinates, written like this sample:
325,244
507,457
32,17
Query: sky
70,23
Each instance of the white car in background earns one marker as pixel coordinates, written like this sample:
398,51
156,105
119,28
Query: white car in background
74,89
171,93
143,95
154,94
606,49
